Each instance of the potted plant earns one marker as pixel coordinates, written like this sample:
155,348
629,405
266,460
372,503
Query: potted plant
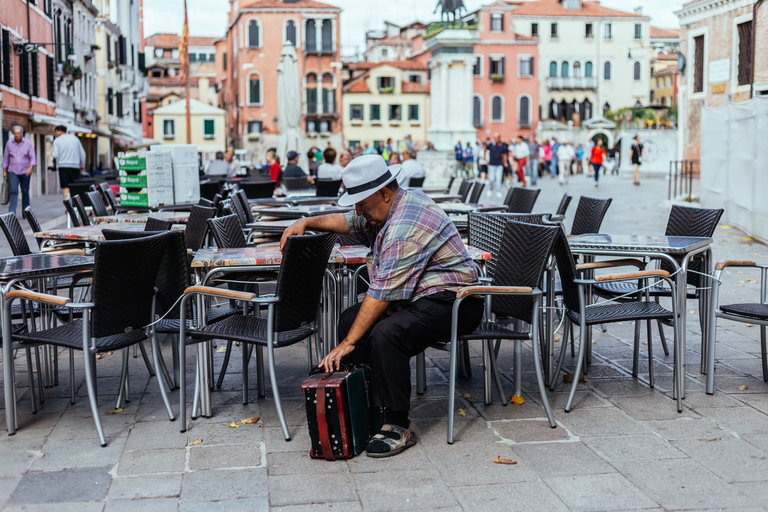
496,77
95,47
111,64
387,90
68,68
77,73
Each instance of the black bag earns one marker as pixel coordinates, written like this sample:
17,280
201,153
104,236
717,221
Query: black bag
5,192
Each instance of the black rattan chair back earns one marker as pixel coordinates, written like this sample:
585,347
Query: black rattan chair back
15,234
237,209
464,189
563,206
245,206
485,231
416,182
197,226
296,183
227,232
84,220
155,224
589,215
205,202
173,274
108,198
687,221
124,276
327,188
566,267
70,207
258,189
33,223
97,203
522,258
477,191
300,281
521,200
209,189
450,184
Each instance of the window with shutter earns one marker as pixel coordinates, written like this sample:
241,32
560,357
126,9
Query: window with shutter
110,95
588,69
290,32
119,104
636,71
497,23
745,52
375,112
607,72
253,34
356,112
413,112
35,74
553,69
209,129
254,90
477,112
524,110
123,51
5,72
564,70
496,109
24,73
49,67
698,64
169,129
326,33
310,39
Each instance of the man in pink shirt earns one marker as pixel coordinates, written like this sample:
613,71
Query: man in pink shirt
18,161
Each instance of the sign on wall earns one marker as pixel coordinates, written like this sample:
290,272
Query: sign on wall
719,71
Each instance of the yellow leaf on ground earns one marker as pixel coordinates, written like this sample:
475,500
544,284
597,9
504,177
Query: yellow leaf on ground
234,425
516,400
462,412
116,411
499,460
743,387
620,323
557,338
221,350
196,442
100,356
726,227
110,352
466,396
252,419
594,341
693,312
750,325
748,239
751,281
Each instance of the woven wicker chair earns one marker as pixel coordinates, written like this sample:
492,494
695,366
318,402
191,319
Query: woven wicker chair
245,206
743,312
71,213
464,189
124,278
81,211
291,315
210,189
197,226
416,182
477,192
295,184
521,199
589,215
258,190
97,203
155,224
327,188
577,311
516,292
564,203
227,232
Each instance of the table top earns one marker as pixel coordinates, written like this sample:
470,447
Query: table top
40,264
141,218
272,226
90,233
292,201
471,207
296,212
443,197
674,245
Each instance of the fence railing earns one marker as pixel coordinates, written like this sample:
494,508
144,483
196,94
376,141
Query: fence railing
681,176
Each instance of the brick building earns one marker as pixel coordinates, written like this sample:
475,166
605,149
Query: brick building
246,67
726,51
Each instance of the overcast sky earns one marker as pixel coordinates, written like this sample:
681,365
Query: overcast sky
209,17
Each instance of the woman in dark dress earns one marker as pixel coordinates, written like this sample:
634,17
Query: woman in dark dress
636,153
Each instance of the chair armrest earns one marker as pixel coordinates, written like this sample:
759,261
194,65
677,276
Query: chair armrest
220,292
39,297
612,263
633,275
491,290
68,251
720,265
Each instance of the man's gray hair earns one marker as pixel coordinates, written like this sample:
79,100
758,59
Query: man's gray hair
412,152
17,127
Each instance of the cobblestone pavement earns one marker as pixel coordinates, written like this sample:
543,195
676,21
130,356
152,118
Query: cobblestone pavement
623,447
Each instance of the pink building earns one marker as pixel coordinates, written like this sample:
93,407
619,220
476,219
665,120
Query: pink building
505,98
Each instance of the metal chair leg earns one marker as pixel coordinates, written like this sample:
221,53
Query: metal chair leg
421,373
90,376
260,371
41,387
495,372
123,377
535,333
763,353
650,353
224,364
31,377
563,347
156,357
663,337
636,350
246,356
150,369
72,376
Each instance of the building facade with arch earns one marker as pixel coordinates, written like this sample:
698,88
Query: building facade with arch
246,70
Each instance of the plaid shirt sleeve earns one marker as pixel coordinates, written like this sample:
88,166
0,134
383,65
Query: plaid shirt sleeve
399,269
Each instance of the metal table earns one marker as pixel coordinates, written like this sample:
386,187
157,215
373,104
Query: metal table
91,233
141,218
442,197
293,201
462,208
272,226
297,212
677,250
12,271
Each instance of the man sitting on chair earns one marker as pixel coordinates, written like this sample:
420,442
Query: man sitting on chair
416,264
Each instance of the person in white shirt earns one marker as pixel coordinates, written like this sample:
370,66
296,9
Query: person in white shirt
411,168
234,164
521,152
329,170
565,156
69,155
482,160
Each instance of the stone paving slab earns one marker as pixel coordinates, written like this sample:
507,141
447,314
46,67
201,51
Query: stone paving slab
622,447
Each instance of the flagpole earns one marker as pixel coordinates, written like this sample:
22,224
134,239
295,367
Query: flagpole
185,43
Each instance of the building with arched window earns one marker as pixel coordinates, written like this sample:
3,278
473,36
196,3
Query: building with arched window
583,60
246,70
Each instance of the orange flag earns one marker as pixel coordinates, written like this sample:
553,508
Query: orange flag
184,46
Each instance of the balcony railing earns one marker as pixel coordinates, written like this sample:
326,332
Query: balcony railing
572,83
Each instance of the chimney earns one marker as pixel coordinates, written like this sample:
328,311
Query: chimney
639,10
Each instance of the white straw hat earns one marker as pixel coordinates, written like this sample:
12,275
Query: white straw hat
365,175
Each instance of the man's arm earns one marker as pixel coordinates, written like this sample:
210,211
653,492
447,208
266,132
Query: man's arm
336,223
32,160
81,151
370,311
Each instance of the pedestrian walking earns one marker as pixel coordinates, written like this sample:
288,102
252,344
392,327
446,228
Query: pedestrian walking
469,160
521,152
547,147
533,160
69,157
481,158
497,160
579,159
458,153
596,159
636,156
555,146
565,155
18,162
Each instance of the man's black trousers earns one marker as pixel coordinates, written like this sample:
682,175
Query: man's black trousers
399,335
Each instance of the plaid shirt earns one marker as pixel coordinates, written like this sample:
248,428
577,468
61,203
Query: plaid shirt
418,252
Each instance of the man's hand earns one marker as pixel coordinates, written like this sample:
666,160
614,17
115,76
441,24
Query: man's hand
5,175
29,171
295,229
333,360
82,170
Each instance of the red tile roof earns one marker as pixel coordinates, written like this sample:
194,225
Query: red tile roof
394,40
664,33
411,87
399,64
667,56
555,8
357,85
280,4
165,40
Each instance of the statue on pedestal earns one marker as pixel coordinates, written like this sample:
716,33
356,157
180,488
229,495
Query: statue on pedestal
450,9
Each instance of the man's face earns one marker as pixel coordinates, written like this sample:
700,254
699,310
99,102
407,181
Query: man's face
228,157
57,132
375,208
17,135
